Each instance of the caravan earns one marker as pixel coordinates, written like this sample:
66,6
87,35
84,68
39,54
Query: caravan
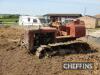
30,20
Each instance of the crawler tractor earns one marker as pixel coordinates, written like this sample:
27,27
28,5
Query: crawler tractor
49,41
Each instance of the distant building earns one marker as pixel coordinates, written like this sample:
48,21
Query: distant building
63,17
90,21
98,17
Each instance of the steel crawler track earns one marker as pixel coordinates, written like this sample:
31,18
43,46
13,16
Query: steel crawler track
48,50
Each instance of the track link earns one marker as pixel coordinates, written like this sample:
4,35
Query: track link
52,49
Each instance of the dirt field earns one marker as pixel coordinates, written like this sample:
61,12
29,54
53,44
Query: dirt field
15,60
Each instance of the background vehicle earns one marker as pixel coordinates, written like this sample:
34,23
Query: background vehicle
30,20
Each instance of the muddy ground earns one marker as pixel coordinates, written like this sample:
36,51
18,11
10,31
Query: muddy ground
15,60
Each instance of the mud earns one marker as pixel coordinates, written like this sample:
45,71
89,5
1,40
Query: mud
15,60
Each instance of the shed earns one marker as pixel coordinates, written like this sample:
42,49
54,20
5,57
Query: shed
90,21
98,17
62,17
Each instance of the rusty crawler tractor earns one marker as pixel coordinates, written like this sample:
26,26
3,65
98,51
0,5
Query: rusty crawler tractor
48,41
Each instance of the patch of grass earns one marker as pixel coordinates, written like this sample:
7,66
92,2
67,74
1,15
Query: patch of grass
9,20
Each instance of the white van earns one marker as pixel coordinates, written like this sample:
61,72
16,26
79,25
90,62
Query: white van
30,20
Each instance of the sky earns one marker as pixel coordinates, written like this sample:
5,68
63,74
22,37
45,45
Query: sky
41,7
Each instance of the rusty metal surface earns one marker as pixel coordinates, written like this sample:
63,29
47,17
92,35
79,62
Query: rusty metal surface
52,51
